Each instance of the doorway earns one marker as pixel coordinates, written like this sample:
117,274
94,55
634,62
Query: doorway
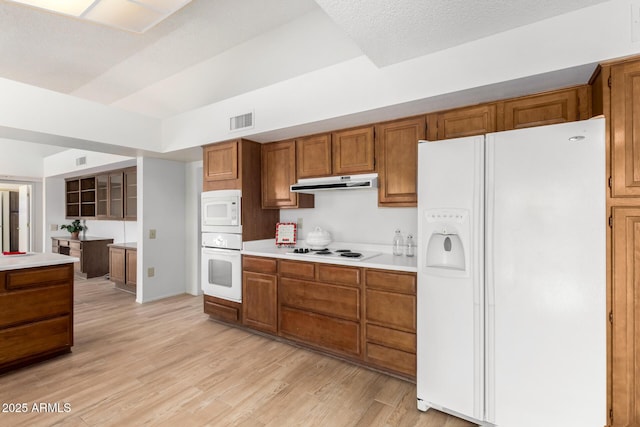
15,217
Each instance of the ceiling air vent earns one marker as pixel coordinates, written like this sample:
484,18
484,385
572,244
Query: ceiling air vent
243,121
81,161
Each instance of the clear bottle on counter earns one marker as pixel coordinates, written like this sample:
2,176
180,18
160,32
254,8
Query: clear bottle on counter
397,243
410,247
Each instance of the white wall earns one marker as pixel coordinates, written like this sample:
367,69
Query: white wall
356,86
161,206
354,216
193,187
64,163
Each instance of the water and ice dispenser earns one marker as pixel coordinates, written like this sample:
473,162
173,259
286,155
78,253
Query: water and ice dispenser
447,233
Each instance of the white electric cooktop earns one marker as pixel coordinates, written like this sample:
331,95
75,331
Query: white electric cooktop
345,254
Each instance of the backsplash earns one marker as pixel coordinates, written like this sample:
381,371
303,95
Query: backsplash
354,216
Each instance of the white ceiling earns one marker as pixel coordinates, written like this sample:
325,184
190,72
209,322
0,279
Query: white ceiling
216,49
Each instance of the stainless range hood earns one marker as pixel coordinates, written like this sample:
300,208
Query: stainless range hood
348,182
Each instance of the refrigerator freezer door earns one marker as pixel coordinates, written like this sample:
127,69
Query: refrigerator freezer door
450,363
546,276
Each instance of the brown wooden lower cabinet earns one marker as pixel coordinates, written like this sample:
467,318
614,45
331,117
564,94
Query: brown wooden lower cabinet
625,330
364,315
93,253
36,314
221,309
123,266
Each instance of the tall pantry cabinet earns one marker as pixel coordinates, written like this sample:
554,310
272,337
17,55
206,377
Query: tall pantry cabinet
616,94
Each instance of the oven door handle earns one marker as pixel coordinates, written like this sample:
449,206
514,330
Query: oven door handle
227,252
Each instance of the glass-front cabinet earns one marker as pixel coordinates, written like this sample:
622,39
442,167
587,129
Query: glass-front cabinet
111,195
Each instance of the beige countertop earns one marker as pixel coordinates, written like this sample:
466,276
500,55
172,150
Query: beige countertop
32,259
126,245
385,261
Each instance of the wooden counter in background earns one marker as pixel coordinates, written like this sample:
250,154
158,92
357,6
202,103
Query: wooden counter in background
122,265
36,308
92,252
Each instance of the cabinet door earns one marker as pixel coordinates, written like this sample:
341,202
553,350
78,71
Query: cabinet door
72,198
116,202
259,301
278,174
221,161
397,151
102,196
313,155
625,305
117,265
131,267
353,151
462,122
130,194
540,110
625,129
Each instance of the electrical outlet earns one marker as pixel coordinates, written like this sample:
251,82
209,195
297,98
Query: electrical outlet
152,233
299,223
151,272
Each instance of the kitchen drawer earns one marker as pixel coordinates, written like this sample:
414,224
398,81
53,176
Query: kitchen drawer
39,276
405,341
298,269
321,298
35,338
63,242
75,245
227,311
55,249
35,303
391,358
333,334
395,282
391,309
76,253
259,264
340,275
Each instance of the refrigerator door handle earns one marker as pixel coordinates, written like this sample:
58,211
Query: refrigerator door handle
489,280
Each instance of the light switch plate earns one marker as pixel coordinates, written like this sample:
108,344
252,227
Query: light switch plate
152,233
151,272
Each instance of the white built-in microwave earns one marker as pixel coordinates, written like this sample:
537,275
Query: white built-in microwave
221,211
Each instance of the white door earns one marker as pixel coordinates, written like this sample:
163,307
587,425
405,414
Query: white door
24,218
450,358
545,270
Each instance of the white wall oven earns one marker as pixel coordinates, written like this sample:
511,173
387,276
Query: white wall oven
221,211
221,266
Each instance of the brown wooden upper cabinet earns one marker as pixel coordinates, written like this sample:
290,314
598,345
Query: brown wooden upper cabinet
313,156
625,122
221,166
353,151
560,106
130,193
110,203
461,122
397,154
278,174
344,152
116,195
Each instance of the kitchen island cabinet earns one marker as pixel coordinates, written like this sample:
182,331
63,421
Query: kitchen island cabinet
36,308
92,252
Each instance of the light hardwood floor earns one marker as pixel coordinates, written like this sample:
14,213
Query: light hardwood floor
165,363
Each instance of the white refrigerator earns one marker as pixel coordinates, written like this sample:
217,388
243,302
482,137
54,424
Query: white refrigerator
511,277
